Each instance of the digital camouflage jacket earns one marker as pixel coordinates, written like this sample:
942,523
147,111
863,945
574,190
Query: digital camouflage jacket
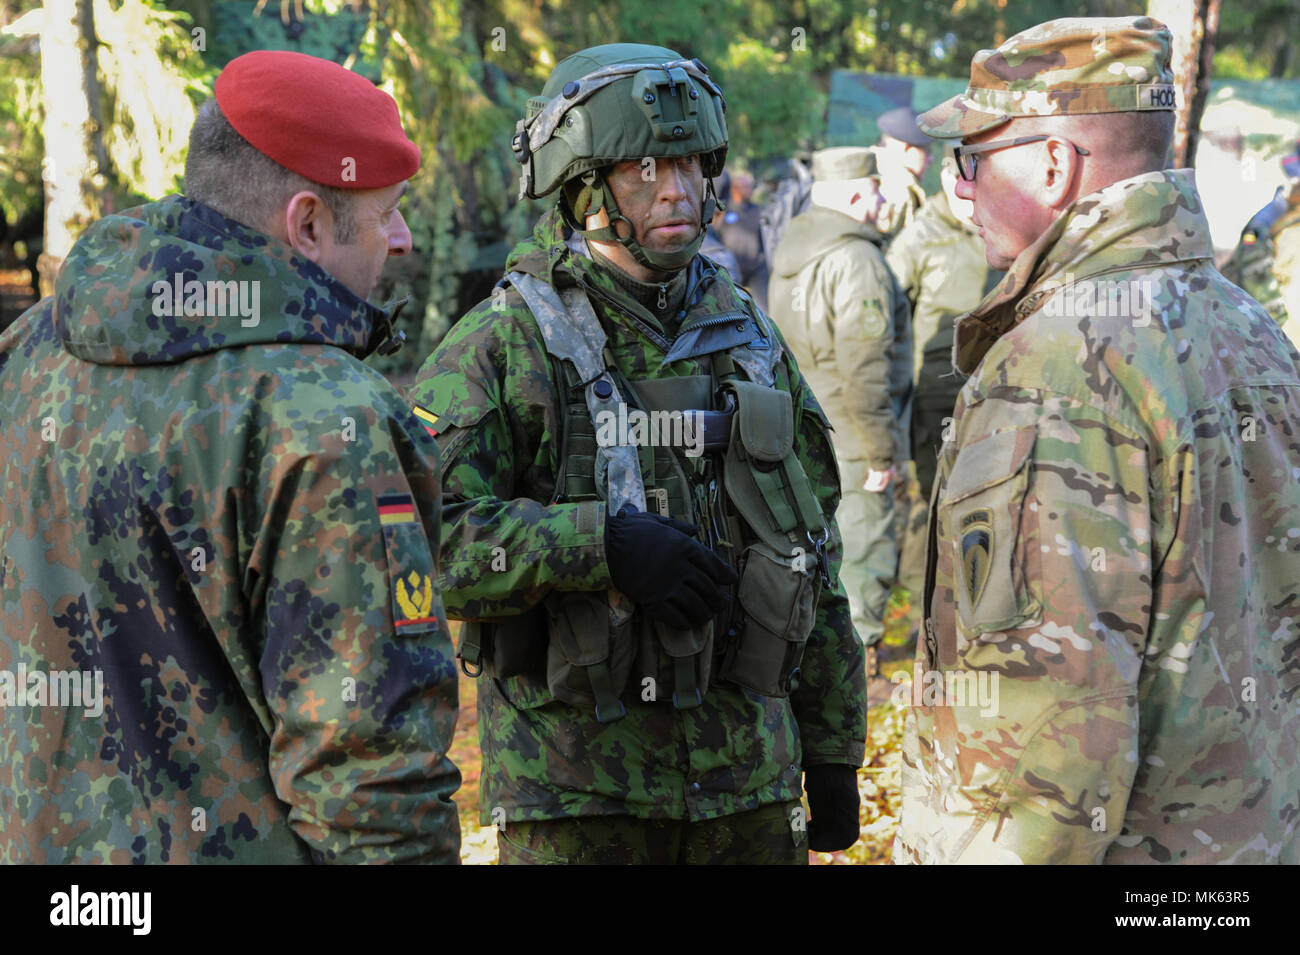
1110,670
227,516
507,546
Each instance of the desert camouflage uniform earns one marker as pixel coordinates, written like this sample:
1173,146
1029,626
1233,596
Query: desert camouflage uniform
848,325
1117,539
193,507
508,546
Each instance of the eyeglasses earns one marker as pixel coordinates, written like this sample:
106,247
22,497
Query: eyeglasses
968,156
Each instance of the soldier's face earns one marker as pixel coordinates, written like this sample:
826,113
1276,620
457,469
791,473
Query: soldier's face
380,232
662,198
1007,206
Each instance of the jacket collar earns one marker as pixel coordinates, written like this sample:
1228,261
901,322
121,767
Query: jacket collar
1152,219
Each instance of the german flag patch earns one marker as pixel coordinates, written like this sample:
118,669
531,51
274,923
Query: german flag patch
427,418
396,509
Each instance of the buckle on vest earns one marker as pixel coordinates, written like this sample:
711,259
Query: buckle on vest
656,499
699,701
600,716
819,548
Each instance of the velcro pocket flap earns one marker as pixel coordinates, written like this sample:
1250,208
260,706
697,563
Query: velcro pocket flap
683,643
987,462
765,420
580,627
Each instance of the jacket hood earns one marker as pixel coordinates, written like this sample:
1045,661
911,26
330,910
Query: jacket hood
811,234
175,279
1149,220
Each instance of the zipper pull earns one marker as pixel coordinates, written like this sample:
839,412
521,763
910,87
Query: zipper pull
663,298
931,643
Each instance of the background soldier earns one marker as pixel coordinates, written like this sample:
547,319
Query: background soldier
938,260
713,247
848,326
742,232
902,155
1114,537
1266,262
224,512
639,704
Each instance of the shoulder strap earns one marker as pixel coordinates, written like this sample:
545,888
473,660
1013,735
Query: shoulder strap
572,332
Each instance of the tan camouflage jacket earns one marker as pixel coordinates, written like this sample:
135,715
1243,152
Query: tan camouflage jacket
848,325
1109,666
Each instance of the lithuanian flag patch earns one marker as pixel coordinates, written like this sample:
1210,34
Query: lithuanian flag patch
396,509
427,418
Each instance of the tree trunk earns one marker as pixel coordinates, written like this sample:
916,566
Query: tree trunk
1195,25
73,176
1286,44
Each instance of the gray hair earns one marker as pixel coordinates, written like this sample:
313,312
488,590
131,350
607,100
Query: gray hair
225,171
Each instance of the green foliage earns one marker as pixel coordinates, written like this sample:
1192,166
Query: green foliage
1258,39
152,79
773,106
21,115
330,30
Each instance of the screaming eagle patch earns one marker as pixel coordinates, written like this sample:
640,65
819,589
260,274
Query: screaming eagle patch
976,552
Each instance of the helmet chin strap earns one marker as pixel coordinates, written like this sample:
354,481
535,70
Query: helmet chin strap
602,197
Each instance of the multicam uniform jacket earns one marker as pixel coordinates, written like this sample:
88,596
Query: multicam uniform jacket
1111,663
507,546
228,516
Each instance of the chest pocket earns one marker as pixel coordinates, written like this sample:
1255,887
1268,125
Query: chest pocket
991,534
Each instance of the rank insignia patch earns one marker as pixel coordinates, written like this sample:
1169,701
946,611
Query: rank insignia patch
427,418
414,594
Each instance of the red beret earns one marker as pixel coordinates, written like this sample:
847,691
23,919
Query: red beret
324,122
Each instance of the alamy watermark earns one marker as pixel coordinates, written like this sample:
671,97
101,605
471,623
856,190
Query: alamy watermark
1104,298
78,908
177,298
964,688
655,429
23,687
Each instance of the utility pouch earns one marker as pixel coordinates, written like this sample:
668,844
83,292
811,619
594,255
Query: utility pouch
679,661
778,596
764,478
591,650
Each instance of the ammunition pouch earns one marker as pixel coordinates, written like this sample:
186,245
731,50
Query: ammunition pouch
591,650
779,600
679,661
779,585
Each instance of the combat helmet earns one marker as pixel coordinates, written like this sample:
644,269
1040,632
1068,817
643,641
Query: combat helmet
617,103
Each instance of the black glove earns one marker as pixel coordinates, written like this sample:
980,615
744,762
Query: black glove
833,803
659,564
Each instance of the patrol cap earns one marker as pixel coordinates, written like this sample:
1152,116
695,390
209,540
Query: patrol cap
901,124
843,162
317,118
1062,68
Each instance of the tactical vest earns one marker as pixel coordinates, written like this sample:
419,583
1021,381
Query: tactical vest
745,490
